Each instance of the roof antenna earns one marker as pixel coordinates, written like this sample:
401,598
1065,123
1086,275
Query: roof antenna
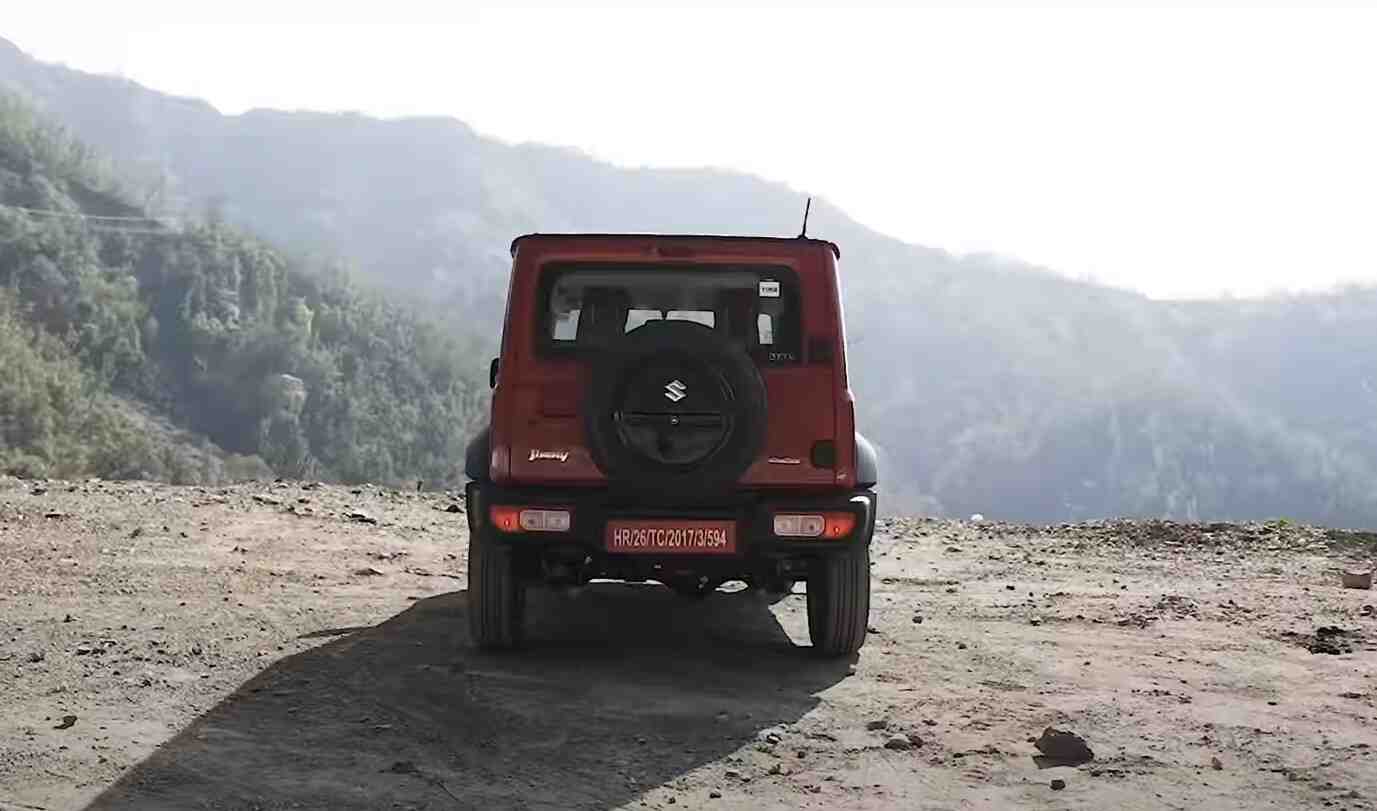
806,208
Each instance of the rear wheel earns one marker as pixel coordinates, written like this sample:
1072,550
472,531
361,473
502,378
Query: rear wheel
497,597
839,602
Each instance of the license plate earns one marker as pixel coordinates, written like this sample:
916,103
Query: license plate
671,537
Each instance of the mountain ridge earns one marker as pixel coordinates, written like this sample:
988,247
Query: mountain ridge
990,385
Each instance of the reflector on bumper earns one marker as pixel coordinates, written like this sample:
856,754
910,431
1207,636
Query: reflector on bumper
814,525
799,526
528,519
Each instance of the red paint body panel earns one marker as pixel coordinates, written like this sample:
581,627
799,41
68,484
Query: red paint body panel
535,406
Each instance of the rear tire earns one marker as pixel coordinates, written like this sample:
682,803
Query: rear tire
839,602
497,598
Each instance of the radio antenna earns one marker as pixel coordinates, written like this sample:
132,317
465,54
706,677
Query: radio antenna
806,208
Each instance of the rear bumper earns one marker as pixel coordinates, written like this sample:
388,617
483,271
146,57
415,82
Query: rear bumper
753,514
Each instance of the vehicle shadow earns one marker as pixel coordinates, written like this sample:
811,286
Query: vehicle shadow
619,691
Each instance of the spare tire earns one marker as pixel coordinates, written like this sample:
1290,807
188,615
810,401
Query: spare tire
674,407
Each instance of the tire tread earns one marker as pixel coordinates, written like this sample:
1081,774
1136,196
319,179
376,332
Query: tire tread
839,603
495,595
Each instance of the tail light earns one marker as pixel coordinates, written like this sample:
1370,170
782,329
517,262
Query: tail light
529,519
829,526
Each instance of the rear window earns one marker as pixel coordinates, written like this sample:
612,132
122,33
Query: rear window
755,306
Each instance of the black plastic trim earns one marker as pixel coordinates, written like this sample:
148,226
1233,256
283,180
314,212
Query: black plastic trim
754,513
478,455
867,463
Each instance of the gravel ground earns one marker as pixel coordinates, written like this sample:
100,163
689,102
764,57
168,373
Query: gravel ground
297,646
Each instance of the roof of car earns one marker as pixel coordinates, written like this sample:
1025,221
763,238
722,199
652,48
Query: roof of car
832,245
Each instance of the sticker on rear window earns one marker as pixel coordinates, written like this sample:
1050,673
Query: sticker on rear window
769,289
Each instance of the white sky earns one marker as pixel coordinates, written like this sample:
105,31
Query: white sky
1175,152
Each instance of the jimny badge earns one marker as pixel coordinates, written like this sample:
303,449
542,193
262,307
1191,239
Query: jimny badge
549,456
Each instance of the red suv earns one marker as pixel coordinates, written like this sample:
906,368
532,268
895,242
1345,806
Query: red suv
673,409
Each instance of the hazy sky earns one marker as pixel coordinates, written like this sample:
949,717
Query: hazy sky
1176,152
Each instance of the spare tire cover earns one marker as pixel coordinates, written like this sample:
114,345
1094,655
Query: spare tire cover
673,407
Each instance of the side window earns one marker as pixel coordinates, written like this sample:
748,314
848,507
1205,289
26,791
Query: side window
635,318
566,306
705,317
765,329
566,326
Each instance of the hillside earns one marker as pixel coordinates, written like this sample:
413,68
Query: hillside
990,386
132,349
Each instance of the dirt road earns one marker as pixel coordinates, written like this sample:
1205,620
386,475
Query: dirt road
274,647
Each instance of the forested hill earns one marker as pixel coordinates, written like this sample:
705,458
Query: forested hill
132,347
990,386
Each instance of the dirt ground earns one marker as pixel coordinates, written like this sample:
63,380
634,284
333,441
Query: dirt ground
288,646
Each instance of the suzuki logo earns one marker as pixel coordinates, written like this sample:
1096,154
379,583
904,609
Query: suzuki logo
675,390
